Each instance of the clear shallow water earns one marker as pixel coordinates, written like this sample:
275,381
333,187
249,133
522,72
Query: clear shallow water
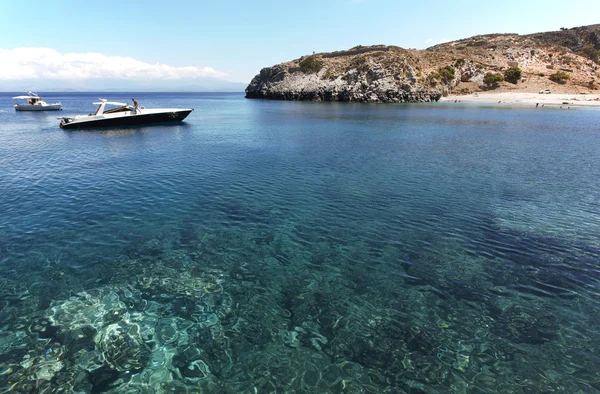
265,246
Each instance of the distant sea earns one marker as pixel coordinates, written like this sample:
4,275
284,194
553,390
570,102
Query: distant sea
268,246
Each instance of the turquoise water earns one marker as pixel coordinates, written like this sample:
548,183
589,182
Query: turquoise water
266,246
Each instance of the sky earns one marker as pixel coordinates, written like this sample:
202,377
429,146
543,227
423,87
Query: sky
179,42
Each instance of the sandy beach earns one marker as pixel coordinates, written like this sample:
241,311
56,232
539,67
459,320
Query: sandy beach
564,100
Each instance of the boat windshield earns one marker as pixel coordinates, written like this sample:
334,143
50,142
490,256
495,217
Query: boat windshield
103,103
123,108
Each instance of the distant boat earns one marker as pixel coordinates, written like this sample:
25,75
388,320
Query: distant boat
124,115
35,103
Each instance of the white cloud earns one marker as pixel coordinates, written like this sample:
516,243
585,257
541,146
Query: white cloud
47,63
427,41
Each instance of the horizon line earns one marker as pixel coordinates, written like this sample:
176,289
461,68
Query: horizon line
123,91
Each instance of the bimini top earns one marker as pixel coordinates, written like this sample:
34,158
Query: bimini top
30,95
103,101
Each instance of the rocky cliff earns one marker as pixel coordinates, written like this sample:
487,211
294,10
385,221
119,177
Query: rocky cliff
371,74
392,74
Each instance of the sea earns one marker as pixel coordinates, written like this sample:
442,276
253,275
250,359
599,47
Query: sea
285,247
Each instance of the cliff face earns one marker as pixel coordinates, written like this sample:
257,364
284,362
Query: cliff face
392,74
372,74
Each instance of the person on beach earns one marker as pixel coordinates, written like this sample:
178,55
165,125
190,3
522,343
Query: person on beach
536,104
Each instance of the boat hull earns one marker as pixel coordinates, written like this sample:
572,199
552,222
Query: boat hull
134,120
29,107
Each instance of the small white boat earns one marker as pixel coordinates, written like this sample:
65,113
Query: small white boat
124,115
35,103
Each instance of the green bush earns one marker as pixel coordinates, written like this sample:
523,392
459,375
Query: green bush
459,63
447,73
512,75
433,78
492,80
360,63
560,77
311,64
591,53
329,75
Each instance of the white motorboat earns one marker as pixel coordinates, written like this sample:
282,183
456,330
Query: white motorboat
35,103
124,115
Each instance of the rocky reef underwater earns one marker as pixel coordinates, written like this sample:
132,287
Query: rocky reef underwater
269,307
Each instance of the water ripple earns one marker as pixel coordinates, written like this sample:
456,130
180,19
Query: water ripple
338,247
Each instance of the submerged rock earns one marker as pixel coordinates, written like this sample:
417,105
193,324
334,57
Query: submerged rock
122,347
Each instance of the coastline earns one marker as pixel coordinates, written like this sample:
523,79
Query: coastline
529,99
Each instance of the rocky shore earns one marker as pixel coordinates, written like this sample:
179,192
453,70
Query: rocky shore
376,85
362,79
392,74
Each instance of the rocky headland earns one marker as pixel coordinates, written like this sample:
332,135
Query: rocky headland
564,61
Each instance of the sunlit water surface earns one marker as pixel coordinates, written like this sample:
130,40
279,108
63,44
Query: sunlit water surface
266,246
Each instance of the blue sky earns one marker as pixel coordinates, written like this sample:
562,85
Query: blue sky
233,40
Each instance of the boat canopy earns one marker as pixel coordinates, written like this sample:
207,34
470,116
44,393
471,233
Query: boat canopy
30,95
25,97
103,101
111,103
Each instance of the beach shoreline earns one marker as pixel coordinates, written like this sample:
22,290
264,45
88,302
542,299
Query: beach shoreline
528,99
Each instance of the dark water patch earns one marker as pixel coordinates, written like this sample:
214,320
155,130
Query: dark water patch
188,233
537,262
146,251
103,379
518,327
237,213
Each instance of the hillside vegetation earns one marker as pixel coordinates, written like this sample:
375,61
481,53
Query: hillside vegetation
566,60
